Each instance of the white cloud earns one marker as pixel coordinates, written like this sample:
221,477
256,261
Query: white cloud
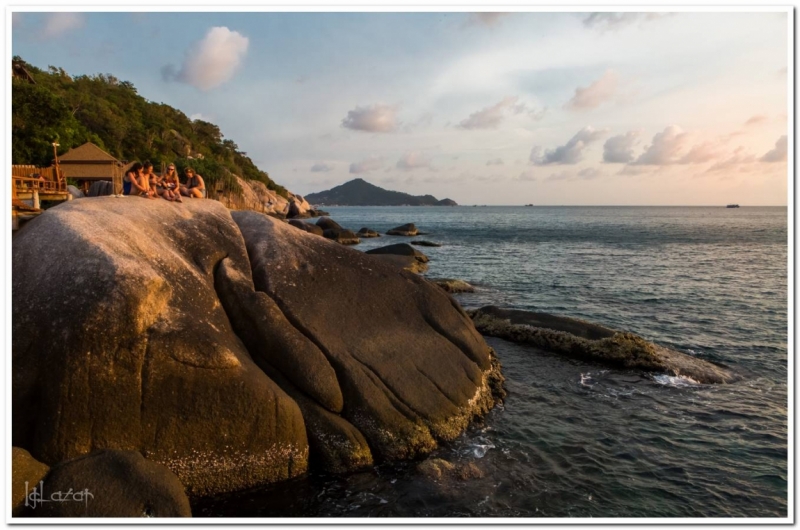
758,119
739,161
375,118
368,164
570,153
495,162
321,167
491,117
58,24
213,60
413,160
700,154
779,153
665,148
619,149
588,173
615,21
597,93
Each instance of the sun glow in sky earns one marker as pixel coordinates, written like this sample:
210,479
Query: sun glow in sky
488,108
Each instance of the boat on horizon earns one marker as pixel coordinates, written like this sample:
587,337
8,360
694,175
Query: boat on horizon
732,206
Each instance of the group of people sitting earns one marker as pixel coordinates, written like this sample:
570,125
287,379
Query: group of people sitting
140,180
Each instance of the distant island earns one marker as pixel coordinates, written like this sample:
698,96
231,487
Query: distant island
359,192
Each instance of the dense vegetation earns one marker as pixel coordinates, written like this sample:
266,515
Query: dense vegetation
110,113
359,192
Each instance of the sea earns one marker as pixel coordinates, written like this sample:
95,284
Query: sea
576,439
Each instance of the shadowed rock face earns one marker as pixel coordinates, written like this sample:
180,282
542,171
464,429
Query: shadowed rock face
584,340
224,349
410,367
113,484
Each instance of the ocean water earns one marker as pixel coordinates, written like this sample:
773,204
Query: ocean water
580,440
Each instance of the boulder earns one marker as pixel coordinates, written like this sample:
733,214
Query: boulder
307,227
26,472
366,232
583,340
101,188
439,468
426,244
109,483
127,346
75,192
340,235
400,249
409,263
404,230
453,286
420,380
326,223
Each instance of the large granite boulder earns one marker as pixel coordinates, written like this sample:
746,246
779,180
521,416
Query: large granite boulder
341,236
26,472
367,233
101,188
579,339
400,249
120,342
416,378
408,263
326,223
109,483
408,229
227,350
306,227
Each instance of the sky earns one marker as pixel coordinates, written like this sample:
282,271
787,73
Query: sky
484,108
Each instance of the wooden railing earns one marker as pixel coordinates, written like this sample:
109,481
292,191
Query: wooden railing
42,179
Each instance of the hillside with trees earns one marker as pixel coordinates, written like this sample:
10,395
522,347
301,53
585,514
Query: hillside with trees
359,192
51,105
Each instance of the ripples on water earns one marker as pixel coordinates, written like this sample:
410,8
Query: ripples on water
578,440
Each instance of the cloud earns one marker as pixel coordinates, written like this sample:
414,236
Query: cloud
570,153
526,176
59,24
595,94
588,173
376,118
779,153
615,21
665,148
322,167
495,162
484,19
368,164
619,149
700,154
739,161
413,160
756,120
211,61
491,117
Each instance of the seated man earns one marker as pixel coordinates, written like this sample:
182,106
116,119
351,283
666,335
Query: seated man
195,186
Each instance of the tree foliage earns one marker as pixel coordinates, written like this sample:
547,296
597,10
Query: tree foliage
110,113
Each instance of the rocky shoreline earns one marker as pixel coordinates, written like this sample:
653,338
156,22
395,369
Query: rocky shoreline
231,349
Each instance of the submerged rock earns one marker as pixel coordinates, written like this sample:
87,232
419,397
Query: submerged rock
111,483
405,230
439,468
368,232
453,286
584,340
228,347
426,243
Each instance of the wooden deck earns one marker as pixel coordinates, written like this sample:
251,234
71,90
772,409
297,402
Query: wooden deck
30,185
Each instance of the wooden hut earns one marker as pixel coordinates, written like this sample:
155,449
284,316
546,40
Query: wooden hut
88,163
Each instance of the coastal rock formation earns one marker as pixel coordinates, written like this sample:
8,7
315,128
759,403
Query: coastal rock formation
226,345
26,471
405,230
120,342
453,286
439,468
341,235
307,227
367,232
110,483
326,223
409,263
420,379
584,340
400,249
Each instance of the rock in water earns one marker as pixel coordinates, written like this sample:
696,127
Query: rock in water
453,286
367,232
326,223
426,243
409,263
120,342
418,376
111,483
26,472
584,340
400,249
341,235
404,230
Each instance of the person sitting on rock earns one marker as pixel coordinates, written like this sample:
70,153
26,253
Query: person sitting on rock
135,183
169,185
195,185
